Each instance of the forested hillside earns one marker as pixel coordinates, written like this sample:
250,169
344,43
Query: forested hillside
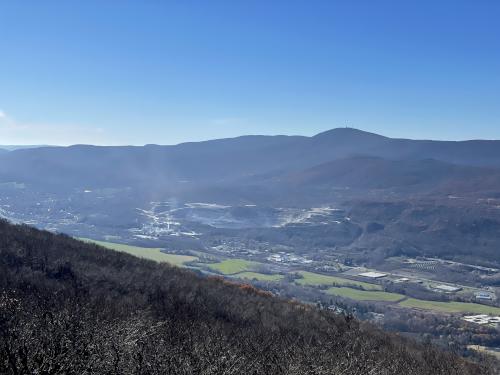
67,307
192,167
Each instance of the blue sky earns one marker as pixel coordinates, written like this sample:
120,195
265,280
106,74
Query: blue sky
136,72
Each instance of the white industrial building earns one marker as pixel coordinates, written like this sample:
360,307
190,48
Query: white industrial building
485,296
482,319
373,275
447,288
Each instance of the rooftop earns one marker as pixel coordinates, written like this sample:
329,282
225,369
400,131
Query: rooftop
373,275
447,288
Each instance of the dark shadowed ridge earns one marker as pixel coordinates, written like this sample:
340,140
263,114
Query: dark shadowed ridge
375,172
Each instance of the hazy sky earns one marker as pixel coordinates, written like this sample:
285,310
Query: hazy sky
136,72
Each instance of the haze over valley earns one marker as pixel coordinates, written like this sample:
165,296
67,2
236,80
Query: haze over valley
374,193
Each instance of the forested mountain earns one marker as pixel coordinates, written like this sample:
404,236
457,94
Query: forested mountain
68,307
234,161
426,175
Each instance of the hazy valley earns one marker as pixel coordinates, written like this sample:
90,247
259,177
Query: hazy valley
384,228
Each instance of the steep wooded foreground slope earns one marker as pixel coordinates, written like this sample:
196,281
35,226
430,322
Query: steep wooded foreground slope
67,307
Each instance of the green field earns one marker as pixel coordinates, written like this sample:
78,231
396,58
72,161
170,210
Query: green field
313,279
259,276
232,266
365,295
450,307
145,252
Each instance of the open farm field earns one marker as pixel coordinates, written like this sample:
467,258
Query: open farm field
313,279
155,254
450,307
232,266
365,295
259,276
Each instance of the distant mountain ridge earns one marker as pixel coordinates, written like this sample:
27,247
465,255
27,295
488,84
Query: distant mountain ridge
244,160
20,147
